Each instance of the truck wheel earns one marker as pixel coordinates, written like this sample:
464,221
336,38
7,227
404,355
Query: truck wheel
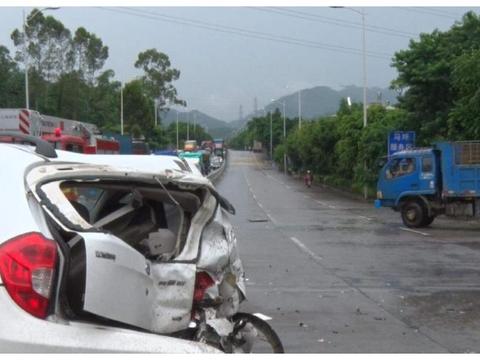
428,220
414,215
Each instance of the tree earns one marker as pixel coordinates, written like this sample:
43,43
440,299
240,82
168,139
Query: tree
88,53
464,118
137,108
12,89
158,77
425,74
47,42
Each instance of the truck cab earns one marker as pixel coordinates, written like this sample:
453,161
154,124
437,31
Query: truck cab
408,182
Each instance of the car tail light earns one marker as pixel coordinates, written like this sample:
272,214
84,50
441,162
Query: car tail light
202,282
27,265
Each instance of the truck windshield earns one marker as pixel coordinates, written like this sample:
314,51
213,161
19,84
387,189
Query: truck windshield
400,167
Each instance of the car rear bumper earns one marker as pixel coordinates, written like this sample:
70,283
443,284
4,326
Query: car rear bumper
23,333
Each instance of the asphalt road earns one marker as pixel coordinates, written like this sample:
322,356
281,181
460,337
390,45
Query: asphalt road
337,275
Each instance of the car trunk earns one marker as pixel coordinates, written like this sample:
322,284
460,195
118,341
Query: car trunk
130,244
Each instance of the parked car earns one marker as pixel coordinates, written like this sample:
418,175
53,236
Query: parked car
113,252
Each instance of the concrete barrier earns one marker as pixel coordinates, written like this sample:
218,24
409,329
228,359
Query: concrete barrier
215,175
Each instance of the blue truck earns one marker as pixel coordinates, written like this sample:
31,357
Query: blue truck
424,183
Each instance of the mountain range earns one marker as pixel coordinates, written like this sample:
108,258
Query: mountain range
315,102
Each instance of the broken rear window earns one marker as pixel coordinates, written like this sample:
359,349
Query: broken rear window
153,220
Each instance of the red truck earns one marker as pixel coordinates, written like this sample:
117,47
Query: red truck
64,134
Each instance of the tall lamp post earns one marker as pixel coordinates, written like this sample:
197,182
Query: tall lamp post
284,136
177,130
364,54
25,52
299,109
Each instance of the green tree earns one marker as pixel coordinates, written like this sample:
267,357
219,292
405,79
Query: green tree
88,53
158,77
138,109
464,118
12,90
425,73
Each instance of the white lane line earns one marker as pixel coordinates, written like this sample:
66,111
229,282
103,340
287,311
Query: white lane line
288,187
365,217
332,207
414,231
272,219
305,249
262,316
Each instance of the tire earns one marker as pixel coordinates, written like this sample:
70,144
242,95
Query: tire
266,340
414,215
428,220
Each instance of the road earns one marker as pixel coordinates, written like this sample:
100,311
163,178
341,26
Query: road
337,275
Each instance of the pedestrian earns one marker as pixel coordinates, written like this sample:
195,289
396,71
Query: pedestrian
308,178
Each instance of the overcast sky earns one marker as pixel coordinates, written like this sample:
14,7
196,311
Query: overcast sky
221,68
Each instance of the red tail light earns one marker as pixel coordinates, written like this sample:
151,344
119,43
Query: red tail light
202,282
27,264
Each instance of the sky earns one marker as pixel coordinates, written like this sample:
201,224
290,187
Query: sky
229,56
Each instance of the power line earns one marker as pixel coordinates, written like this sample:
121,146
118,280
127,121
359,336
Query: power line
257,33
246,33
439,11
427,12
334,21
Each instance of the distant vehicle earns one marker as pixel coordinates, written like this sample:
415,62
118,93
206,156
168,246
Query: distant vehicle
425,183
64,134
216,162
190,145
257,146
219,145
207,145
200,159
140,147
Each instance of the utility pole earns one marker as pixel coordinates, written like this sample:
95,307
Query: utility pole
155,103
177,130
284,141
195,125
25,52
121,108
364,65
188,126
299,109
271,137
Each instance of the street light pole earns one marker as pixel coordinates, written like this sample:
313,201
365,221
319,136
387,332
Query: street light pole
364,65
299,109
271,138
177,130
284,141
364,50
25,51
121,108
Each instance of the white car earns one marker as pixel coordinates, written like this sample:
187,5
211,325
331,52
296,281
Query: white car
108,253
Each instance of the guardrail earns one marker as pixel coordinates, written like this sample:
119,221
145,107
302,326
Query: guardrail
216,174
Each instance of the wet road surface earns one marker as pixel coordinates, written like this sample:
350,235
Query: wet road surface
337,275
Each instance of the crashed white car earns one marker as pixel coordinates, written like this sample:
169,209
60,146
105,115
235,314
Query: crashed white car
109,252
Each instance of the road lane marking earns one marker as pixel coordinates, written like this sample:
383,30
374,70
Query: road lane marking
305,249
262,316
332,207
414,231
365,217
